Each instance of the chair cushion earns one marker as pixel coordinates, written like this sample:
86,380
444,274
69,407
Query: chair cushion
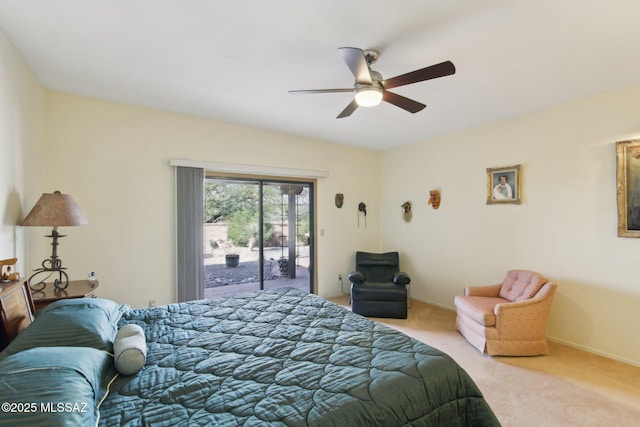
479,309
377,267
520,285
377,291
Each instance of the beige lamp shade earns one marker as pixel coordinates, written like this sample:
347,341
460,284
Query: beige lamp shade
55,210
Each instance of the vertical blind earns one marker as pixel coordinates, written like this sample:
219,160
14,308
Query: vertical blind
190,236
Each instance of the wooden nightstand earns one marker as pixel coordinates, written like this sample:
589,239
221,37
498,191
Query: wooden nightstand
76,289
16,310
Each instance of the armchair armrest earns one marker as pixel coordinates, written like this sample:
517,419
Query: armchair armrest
401,278
356,277
483,291
532,312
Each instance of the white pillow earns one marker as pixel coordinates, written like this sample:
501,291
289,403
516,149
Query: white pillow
129,349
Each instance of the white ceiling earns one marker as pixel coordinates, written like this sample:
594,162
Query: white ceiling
235,60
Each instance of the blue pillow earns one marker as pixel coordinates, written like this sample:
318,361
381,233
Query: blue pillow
77,322
54,386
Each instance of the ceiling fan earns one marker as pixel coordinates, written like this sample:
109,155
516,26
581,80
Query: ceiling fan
370,89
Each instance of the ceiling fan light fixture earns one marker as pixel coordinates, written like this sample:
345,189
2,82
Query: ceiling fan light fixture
370,88
368,96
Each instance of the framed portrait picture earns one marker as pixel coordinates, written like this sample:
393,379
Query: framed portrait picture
628,187
504,185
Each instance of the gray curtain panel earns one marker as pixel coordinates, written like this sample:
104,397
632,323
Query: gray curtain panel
190,239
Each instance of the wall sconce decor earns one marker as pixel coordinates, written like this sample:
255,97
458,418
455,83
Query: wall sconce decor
53,210
434,200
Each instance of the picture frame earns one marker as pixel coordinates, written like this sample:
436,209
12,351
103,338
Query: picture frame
507,192
628,187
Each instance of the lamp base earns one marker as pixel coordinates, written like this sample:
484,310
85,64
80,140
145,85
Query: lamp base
61,282
51,266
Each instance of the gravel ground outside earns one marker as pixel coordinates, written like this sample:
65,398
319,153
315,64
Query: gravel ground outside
246,272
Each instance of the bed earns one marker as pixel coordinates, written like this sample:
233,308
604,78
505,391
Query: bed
280,357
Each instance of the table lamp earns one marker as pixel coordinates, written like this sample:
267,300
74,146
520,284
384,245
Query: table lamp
54,210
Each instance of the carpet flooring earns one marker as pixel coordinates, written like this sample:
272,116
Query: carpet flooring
567,387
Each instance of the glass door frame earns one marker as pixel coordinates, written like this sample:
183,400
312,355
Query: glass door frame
262,180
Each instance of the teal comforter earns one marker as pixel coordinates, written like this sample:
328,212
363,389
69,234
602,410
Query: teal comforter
286,358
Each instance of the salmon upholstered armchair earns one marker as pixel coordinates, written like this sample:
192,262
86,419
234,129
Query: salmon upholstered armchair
509,318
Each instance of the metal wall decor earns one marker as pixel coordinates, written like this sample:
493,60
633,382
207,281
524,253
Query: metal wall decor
362,208
339,200
406,211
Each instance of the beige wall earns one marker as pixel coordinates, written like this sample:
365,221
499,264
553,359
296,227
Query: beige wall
22,136
565,227
114,160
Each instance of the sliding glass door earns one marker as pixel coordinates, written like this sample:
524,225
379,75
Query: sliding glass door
258,234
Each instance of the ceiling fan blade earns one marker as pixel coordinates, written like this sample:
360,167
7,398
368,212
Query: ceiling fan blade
355,60
296,92
400,101
349,110
439,70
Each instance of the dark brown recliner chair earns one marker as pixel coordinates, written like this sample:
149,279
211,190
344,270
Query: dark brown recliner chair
378,287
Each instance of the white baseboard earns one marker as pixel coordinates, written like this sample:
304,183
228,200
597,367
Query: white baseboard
559,341
594,351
